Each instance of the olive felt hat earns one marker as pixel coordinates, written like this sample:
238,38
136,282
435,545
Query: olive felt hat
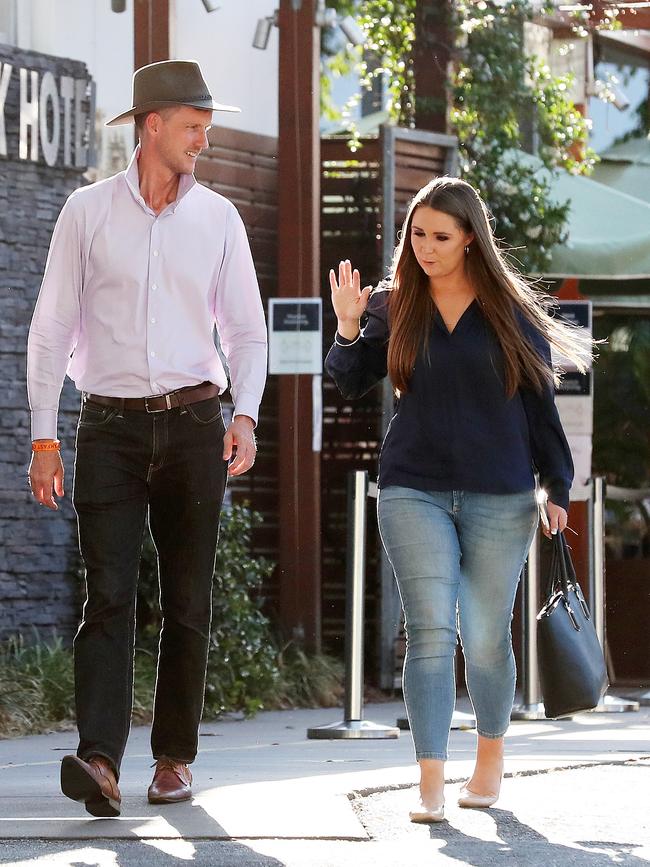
169,83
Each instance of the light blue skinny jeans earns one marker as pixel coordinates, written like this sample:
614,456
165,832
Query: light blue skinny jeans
457,558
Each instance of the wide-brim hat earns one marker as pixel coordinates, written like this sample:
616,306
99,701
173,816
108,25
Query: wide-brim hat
169,83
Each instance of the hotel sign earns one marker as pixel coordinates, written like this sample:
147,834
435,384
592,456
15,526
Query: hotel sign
54,120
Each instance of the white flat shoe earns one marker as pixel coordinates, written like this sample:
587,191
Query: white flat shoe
468,798
422,815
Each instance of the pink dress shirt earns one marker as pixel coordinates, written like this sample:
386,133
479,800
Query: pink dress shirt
130,299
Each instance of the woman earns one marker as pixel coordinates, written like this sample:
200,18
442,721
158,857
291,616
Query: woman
466,344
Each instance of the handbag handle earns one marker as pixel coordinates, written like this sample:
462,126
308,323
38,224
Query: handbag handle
568,567
561,574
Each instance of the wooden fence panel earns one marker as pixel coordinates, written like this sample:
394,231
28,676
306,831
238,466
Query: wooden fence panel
243,167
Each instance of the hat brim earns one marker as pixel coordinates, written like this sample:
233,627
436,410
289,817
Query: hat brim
128,116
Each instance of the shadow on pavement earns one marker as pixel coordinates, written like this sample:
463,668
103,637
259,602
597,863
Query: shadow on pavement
123,853
528,845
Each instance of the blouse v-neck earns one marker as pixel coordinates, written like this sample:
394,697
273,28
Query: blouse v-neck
438,318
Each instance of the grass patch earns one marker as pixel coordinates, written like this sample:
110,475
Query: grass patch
37,686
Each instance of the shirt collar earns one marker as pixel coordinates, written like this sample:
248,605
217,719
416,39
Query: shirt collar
132,177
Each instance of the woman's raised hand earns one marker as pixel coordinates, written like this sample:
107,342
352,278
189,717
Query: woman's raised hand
348,299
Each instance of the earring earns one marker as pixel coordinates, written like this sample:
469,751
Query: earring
467,250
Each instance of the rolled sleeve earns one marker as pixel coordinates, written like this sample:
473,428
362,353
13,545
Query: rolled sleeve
357,365
54,329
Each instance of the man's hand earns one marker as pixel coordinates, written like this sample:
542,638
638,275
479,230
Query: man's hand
239,445
46,477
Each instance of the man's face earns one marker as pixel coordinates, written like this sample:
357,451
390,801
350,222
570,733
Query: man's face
179,136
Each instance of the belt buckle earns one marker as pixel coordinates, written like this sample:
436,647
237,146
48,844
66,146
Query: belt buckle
168,403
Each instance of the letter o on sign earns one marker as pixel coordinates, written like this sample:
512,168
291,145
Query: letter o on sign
49,143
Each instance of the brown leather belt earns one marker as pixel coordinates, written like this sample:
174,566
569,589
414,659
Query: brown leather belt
159,402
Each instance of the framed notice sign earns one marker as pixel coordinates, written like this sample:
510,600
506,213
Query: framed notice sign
575,401
295,335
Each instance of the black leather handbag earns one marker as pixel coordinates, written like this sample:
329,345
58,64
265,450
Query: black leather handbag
572,670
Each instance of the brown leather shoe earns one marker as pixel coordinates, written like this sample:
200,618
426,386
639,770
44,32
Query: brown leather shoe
92,782
172,781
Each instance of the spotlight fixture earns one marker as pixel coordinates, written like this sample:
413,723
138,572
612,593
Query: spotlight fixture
326,16
352,31
118,5
620,101
210,6
609,92
263,30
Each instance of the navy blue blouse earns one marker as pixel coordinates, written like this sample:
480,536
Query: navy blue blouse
456,429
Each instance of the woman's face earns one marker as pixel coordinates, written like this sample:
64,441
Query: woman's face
438,242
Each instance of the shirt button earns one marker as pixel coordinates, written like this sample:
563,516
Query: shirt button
154,286
152,354
155,252
153,321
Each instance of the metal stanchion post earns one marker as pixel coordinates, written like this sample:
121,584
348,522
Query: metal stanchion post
531,707
608,703
353,726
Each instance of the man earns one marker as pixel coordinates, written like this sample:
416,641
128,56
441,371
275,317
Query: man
141,267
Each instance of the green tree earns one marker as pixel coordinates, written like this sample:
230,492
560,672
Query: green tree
503,102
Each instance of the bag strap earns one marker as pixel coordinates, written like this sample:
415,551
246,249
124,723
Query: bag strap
554,579
568,562
562,572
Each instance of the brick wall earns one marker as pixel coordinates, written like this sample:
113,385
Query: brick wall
38,549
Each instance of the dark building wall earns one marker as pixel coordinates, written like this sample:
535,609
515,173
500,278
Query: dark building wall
38,549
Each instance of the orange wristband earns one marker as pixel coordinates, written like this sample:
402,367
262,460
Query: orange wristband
46,446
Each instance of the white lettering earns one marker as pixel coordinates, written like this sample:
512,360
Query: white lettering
5,75
67,94
50,108
49,144
80,138
28,115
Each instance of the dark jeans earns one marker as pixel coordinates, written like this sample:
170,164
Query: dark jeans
129,464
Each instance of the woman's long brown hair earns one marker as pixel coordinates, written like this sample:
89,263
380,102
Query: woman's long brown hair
500,289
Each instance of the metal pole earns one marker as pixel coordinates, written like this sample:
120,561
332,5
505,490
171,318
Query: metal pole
531,707
597,571
354,592
597,604
353,725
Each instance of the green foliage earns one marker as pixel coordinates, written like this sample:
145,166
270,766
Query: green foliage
242,669
308,681
36,685
390,29
246,669
623,380
506,101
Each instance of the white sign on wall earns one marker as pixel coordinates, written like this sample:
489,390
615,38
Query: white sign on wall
575,402
53,120
295,335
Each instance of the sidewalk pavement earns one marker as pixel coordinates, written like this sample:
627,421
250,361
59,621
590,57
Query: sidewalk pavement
261,779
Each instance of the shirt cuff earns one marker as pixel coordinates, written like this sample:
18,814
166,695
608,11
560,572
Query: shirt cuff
558,493
247,404
343,341
44,424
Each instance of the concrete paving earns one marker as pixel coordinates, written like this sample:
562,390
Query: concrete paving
265,794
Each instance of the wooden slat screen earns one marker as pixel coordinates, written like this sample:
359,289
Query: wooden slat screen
351,199
243,167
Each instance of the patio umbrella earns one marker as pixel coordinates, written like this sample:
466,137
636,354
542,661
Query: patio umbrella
626,167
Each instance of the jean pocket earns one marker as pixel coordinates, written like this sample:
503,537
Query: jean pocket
96,415
205,412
